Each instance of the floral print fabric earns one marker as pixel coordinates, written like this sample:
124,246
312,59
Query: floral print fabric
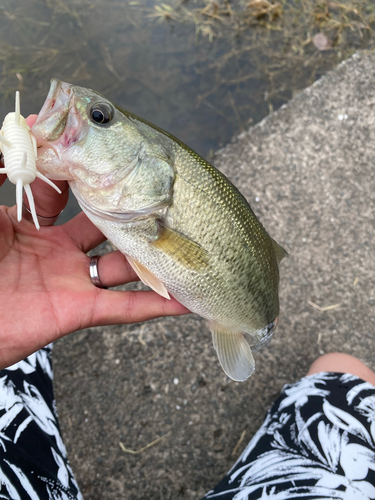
317,442
33,460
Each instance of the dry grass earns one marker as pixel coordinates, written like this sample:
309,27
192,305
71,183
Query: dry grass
291,42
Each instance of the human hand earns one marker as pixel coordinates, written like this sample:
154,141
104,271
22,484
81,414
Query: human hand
45,286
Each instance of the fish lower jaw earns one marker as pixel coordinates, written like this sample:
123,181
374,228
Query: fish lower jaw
49,164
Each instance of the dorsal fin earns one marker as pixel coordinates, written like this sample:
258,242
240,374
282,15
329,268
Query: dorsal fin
279,251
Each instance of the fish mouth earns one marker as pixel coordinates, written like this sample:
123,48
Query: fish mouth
58,126
53,116
58,122
59,92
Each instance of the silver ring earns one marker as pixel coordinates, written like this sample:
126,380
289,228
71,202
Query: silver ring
94,272
43,221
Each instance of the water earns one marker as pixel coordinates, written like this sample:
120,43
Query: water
204,77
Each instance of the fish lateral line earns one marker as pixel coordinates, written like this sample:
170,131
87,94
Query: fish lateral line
245,230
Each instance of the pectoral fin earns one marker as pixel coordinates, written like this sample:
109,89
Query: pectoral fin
233,351
148,278
181,248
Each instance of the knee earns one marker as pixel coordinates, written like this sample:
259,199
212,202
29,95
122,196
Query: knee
342,363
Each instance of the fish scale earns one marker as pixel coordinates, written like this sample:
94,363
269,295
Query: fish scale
251,238
185,229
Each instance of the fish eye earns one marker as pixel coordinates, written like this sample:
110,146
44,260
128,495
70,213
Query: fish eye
101,113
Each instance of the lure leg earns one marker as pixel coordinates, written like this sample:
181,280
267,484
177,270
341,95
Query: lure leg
48,181
4,141
19,187
30,197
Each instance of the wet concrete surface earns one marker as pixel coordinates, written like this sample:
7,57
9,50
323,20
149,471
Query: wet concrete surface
308,172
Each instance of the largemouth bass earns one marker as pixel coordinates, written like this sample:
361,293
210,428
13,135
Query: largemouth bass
185,229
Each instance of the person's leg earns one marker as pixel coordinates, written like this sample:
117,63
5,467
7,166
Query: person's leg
33,461
317,441
342,363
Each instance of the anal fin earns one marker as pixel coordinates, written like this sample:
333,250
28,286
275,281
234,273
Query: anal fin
233,351
148,278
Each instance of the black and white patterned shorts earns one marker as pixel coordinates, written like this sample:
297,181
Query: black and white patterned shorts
317,441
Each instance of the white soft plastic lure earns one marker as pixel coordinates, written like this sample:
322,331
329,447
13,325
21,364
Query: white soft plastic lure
19,150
